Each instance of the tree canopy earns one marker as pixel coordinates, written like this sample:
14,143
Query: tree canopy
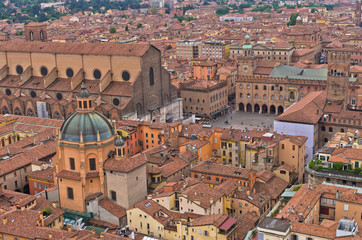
222,11
293,19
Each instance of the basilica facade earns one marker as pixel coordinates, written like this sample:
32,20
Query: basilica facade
41,79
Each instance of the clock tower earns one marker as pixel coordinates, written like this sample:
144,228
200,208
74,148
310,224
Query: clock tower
246,61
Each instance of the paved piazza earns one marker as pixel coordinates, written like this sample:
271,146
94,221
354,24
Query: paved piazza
242,120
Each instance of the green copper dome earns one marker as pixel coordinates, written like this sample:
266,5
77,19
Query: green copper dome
119,142
89,124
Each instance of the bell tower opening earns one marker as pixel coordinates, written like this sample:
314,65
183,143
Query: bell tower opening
36,32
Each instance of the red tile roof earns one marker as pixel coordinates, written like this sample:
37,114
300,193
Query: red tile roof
113,208
307,110
126,164
69,175
76,48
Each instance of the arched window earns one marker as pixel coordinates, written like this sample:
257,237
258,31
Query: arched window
272,97
241,95
280,97
264,96
342,130
31,36
330,129
256,96
5,110
30,112
139,108
323,128
41,35
291,96
17,111
152,77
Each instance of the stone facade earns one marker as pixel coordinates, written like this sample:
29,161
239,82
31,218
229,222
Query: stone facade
130,188
41,78
205,98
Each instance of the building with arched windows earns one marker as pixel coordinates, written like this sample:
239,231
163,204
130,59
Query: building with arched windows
41,79
321,114
89,153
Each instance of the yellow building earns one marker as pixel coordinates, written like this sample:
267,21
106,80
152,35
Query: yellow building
8,133
292,153
150,218
348,204
210,227
84,142
203,147
233,147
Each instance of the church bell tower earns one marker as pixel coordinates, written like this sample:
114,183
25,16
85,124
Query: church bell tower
338,77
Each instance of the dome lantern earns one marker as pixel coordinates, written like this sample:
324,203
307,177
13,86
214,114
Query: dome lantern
84,100
120,147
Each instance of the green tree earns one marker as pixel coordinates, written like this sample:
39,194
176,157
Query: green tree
329,7
222,11
293,19
112,30
153,10
139,25
338,166
263,8
314,10
168,47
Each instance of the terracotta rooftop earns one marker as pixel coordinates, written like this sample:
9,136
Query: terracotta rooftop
307,110
113,208
302,203
213,219
69,175
151,208
201,194
76,48
208,167
125,164
45,174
